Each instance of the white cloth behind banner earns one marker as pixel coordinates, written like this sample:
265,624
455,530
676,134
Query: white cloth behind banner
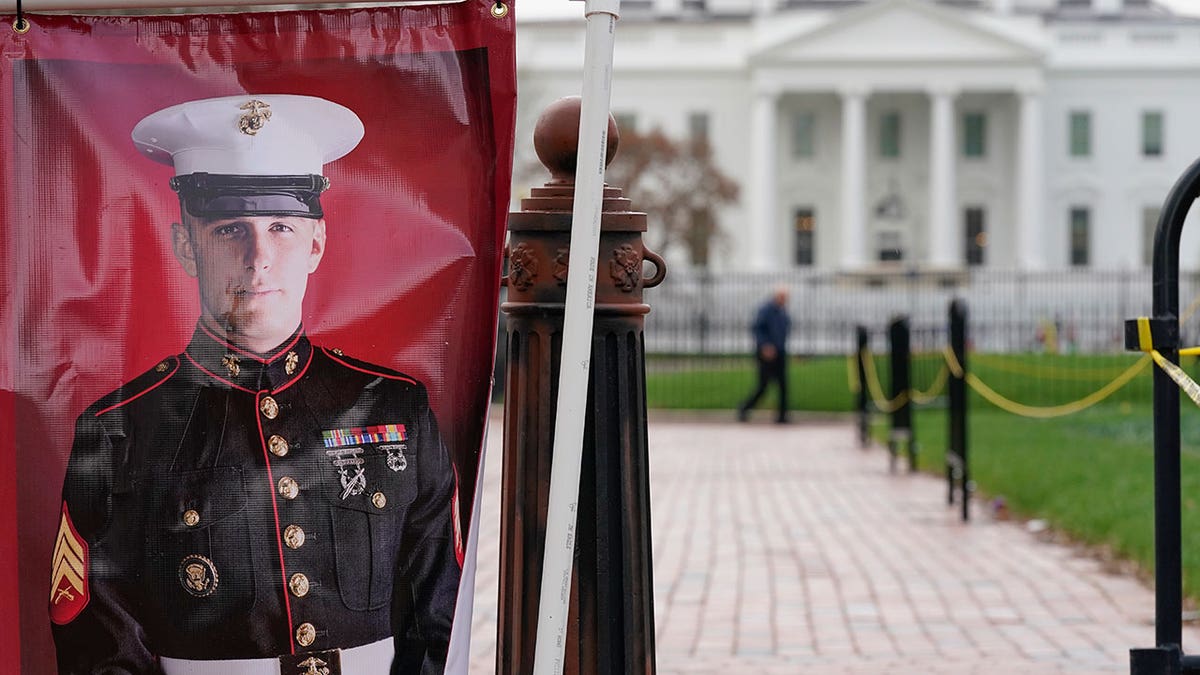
458,661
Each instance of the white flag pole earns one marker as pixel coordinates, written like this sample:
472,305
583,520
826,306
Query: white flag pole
554,602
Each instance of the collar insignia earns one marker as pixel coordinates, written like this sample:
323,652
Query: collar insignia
230,362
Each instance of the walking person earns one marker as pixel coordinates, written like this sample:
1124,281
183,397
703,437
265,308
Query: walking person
770,328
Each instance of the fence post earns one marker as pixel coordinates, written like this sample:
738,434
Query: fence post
611,619
901,388
1162,332
864,413
703,321
956,448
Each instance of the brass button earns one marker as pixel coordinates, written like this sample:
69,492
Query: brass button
269,408
293,536
191,517
161,368
379,500
278,446
306,634
338,352
299,585
288,487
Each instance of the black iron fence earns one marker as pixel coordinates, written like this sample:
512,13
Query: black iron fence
1042,338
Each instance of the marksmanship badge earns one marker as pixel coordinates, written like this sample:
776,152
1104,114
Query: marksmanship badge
396,460
352,484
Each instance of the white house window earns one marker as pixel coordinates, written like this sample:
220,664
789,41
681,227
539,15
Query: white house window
805,233
974,134
974,219
1152,133
1081,221
698,128
1149,225
889,135
803,132
890,247
1081,133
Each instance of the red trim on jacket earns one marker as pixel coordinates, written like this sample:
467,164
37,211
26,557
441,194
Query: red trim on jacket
390,376
299,375
144,391
234,348
287,603
215,376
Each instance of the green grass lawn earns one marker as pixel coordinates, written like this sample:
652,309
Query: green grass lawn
822,383
1089,474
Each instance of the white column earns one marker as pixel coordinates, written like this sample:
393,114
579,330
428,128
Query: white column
763,230
1029,182
945,239
854,179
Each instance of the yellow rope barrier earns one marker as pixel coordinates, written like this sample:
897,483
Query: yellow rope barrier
1043,412
934,390
1047,412
953,367
852,374
1187,384
1046,372
882,402
952,362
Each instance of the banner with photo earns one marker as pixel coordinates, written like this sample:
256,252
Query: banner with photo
249,269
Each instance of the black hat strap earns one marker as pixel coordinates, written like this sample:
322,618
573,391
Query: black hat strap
206,195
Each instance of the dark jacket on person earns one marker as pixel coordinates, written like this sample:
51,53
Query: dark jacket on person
199,491
771,326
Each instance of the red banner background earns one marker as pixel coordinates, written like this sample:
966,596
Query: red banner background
91,295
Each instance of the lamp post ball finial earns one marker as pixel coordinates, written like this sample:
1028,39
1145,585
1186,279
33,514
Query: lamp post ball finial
556,139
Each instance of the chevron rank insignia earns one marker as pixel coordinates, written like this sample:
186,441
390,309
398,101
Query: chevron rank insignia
68,582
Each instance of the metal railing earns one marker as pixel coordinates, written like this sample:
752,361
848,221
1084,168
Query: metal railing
1056,332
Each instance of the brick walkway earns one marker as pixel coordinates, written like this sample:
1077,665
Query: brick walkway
790,550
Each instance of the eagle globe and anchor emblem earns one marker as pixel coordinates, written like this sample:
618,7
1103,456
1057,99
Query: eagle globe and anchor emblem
313,666
257,114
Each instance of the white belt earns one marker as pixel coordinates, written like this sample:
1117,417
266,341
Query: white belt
373,659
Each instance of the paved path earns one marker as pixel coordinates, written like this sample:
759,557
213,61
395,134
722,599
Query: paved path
790,550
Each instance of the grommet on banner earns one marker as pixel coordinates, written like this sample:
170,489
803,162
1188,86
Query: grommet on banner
20,24
499,10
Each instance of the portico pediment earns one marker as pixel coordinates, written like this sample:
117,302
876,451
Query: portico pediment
895,32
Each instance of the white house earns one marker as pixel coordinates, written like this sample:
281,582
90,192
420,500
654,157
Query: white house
867,134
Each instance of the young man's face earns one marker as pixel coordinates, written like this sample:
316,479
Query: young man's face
252,272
